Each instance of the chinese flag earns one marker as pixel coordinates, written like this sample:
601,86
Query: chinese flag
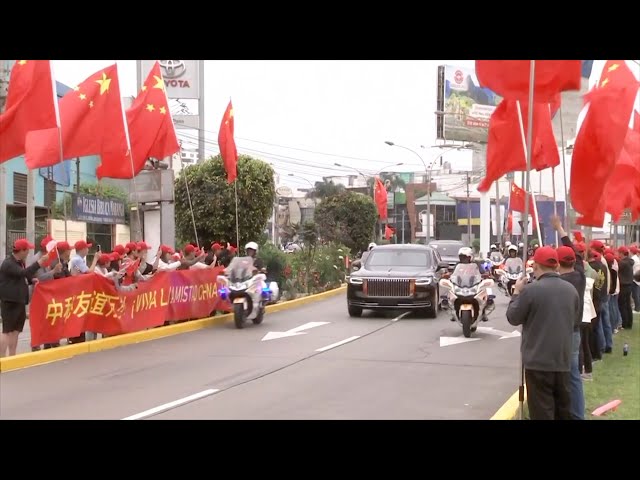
380,195
506,146
623,187
92,123
151,130
510,78
601,137
31,105
516,202
389,232
510,222
227,144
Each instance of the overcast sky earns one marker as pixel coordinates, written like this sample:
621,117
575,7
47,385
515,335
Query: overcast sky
342,108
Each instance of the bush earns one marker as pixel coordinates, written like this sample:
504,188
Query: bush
275,260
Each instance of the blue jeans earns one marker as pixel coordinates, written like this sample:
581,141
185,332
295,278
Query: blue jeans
605,321
615,317
575,383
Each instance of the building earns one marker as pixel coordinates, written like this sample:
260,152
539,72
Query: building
100,220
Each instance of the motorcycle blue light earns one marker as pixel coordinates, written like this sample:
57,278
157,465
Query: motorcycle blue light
222,293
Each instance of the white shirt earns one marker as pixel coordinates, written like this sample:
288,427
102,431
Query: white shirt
167,267
636,266
589,311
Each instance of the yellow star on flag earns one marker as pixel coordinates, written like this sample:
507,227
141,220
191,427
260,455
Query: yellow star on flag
163,110
159,82
91,104
144,88
82,96
104,83
76,88
150,107
606,80
22,62
231,113
613,67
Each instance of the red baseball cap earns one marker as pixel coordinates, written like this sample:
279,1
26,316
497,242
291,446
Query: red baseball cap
115,256
633,249
143,246
624,250
166,249
609,257
63,246
189,249
120,250
546,256
103,259
81,244
131,247
216,246
596,255
581,247
566,254
597,245
45,241
22,244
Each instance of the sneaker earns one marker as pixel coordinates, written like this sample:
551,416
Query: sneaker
587,377
608,350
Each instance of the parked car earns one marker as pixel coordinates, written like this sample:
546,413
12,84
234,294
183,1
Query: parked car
396,277
448,251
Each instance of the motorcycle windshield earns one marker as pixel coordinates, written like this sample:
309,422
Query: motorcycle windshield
496,257
466,275
513,265
240,269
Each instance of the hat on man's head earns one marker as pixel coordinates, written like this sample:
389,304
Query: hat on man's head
131,247
596,255
609,257
166,249
623,250
104,258
120,250
82,244
634,250
581,247
597,245
546,256
566,254
63,246
45,241
189,249
22,244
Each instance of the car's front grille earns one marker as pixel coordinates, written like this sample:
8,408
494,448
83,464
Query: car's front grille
388,287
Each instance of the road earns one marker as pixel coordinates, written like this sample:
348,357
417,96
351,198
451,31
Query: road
380,366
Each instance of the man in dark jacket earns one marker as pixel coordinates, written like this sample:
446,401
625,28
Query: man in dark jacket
546,309
14,294
568,272
625,274
600,291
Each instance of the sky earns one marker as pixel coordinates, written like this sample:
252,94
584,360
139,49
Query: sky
337,109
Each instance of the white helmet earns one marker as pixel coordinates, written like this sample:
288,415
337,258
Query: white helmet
494,246
252,246
507,243
512,248
372,245
521,244
466,251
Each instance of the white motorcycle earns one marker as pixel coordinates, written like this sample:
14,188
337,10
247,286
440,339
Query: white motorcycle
508,278
470,297
248,293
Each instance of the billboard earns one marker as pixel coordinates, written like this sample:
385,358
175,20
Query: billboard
464,106
181,77
91,209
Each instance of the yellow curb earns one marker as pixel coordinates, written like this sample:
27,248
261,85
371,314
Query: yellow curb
510,409
32,359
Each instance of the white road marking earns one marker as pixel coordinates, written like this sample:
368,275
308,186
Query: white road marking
294,331
447,341
170,405
337,344
400,317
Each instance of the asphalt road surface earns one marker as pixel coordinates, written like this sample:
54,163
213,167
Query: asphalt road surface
380,366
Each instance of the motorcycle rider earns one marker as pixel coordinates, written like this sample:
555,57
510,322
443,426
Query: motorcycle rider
513,263
496,258
252,251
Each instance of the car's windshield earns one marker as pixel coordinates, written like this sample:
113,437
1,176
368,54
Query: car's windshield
240,269
447,249
466,275
513,265
405,260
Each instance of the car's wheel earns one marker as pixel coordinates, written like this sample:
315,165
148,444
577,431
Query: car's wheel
432,311
355,311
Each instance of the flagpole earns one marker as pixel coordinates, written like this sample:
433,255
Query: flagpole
564,172
235,187
193,218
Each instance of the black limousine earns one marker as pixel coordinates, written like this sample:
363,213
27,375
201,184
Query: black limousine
397,277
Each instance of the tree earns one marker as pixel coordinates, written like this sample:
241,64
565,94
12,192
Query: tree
214,205
347,218
325,189
392,181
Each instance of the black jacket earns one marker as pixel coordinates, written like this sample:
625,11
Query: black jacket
578,280
625,271
15,279
546,309
600,287
579,267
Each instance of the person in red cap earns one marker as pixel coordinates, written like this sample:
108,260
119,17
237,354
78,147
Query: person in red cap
547,309
215,255
604,330
190,259
600,292
614,290
143,250
15,278
78,262
635,289
625,275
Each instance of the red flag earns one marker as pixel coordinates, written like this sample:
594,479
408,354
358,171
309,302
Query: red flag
516,202
577,235
227,144
505,149
380,195
389,232
623,185
92,122
31,105
151,130
600,139
510,222
510,78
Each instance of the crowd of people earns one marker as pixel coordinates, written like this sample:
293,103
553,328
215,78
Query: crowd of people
581,298
126,266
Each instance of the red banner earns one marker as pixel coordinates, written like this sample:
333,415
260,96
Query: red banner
67,307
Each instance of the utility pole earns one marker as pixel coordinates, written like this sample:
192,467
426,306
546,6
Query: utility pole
403,225
4,83
498,215
468,208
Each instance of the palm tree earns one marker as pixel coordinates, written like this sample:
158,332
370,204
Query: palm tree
325,189
392,181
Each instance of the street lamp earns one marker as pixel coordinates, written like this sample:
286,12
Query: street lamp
301,178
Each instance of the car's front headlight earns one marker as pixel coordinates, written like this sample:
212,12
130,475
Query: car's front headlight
423,281
355,281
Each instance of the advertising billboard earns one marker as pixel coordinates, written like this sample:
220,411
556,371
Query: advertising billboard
464,106
181,77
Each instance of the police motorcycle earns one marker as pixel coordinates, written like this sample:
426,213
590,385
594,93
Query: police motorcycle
508,276
470,297
496,259
247,291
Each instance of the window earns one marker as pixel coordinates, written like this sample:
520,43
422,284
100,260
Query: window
19,188
398,260
100,234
